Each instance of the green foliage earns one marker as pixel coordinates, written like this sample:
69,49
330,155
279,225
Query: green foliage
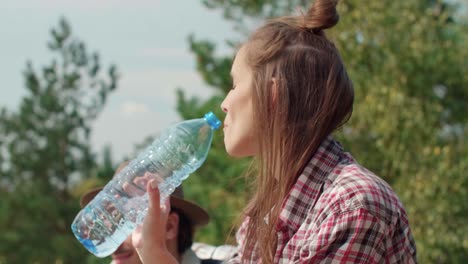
409,67
410,123
45,152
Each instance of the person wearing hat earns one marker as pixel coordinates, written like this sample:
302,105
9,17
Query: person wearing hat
182,219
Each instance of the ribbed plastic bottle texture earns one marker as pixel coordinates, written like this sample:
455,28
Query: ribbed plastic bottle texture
114,213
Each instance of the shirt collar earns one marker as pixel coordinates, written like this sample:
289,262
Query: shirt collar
308,186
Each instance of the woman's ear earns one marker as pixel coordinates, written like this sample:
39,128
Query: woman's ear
172,227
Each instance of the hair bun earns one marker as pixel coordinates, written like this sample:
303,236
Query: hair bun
321,15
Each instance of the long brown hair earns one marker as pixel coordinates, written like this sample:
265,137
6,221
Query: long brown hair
301,94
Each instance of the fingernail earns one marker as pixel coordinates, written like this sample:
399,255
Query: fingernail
166,205
154,184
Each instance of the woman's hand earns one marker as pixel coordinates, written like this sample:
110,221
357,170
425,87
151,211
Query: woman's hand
149,239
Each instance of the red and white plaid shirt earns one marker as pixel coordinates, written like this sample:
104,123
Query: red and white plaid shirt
339,212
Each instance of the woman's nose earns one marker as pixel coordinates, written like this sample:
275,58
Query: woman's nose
223,106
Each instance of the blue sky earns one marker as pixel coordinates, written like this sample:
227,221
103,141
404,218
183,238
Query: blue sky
146,39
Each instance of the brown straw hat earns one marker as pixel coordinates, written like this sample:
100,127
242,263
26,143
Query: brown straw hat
197,215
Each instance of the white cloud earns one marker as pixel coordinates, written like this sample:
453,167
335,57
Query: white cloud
160,83
122,133
165,52
143,105
82,4
130,109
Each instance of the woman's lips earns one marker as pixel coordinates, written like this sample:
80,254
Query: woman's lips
122,256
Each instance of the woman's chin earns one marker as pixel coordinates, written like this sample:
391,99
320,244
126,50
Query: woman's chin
238,152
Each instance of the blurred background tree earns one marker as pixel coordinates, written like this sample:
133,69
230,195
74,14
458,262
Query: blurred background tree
45,152
408,62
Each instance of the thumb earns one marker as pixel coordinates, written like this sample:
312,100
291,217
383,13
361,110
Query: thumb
157,210
154,225
149,240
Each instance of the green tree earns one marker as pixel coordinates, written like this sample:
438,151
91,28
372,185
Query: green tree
45,151
409,66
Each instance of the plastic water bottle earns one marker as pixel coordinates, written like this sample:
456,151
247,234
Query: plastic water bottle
114,213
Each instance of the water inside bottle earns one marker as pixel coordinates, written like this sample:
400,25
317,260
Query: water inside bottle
104,223
114,213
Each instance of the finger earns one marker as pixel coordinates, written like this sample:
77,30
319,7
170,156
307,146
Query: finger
143,180
155,198
132,189
151,237
137,237
137,241
154,225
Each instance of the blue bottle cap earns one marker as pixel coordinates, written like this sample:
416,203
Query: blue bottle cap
212,120
88,244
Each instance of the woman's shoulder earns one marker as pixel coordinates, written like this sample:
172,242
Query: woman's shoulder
355,187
